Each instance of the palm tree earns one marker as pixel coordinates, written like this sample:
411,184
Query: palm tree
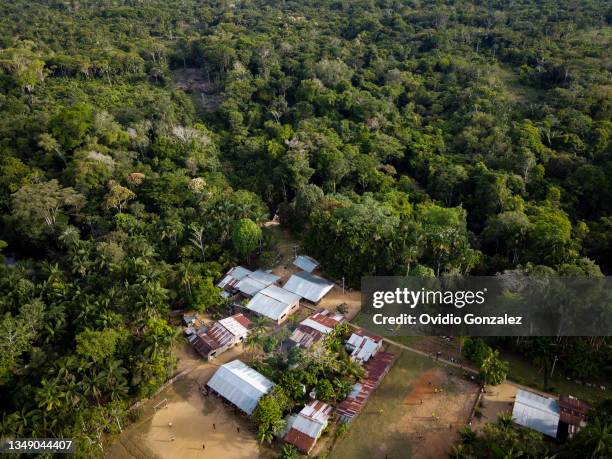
258,325
50,395
597,439
114,378
504,419
186,275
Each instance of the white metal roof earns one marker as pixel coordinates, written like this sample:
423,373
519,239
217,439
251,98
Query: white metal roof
308,286
306,263
536,412
272,302
363,347
250,286
240,384
264,277
308,322
313,419
280,294
232,277
234,327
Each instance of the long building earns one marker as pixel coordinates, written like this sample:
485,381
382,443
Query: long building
308,286
241,280
376,369
240,385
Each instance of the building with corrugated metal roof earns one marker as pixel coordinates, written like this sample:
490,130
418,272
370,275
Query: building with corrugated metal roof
224,334
275,303
306,263
242,280
240,385
362,346
308,286
307,426
573,416
376,369
536,412
312,329
232,277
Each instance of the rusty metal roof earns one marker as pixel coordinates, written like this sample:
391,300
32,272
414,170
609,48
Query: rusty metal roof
308,425
573,411
233,276
315,327
222,333
376,369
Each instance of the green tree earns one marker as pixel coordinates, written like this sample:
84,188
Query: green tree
97,345
289,451
245,236
493,370
118,196
268,415
71,125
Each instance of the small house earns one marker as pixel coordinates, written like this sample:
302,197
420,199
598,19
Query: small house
312,329
307,426
306,263
223,335
573,416
308,286
275,303
241,280
363,346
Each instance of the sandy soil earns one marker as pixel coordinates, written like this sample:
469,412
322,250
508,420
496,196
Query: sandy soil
201,427
336,297
433,424
497,399
192,416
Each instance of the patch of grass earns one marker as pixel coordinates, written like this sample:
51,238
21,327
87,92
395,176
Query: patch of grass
366,433
523,372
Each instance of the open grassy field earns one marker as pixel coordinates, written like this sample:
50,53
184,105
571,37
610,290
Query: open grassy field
525,373
415,413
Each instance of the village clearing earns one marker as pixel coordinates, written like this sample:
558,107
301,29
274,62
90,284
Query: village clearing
202,426
394,423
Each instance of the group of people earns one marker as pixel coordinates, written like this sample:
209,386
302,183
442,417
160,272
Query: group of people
214,426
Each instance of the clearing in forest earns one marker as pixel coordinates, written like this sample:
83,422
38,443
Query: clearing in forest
394,423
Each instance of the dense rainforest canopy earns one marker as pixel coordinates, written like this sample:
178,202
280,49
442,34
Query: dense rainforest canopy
143,144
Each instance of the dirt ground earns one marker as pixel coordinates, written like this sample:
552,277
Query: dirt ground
192,416
449,347
285,269
497,399
446,405
395,424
